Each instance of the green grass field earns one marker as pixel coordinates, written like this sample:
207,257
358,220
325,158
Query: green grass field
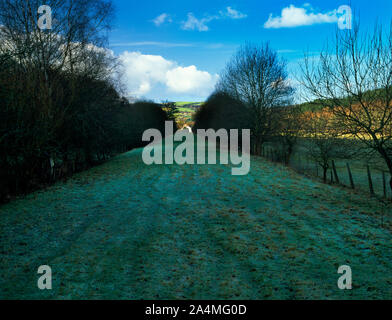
124,230
185,103
186,110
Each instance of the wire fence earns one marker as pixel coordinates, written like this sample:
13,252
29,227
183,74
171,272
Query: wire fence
357,175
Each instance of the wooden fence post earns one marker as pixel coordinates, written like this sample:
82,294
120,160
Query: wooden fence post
335,172
350,176
370,181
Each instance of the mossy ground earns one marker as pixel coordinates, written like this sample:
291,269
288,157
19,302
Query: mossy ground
125,230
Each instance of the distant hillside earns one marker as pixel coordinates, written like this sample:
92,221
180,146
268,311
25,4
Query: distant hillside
317,105
192,105
187,109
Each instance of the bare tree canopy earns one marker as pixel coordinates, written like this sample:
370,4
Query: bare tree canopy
257,77
354,80
78,33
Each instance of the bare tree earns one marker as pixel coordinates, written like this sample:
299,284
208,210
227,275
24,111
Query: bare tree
323,141
354,80
290,126
75,44
257,77
78,26
41,73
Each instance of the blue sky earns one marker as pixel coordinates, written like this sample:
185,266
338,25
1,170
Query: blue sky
175,50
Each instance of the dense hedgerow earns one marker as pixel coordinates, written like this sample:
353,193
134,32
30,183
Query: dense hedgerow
46,135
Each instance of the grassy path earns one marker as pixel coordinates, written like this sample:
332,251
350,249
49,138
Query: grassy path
125,230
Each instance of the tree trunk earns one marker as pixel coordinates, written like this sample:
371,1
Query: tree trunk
288,155
287,159
325,171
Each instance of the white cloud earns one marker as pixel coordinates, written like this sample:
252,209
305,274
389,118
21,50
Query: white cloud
154,77
192,23
143,71
162,19
233,14
294,17
187,79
